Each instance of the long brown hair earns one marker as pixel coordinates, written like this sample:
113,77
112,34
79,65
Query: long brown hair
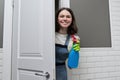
72,29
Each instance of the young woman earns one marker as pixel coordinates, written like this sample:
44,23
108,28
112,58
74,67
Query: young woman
65,28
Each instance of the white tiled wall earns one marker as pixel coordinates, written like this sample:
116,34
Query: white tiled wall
102,63
64,3
1,52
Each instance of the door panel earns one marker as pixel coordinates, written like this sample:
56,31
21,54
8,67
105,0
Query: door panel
31,30
33,39
31,34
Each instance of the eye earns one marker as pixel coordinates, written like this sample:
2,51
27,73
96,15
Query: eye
61,16
68,16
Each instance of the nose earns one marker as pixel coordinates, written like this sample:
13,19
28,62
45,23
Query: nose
65,18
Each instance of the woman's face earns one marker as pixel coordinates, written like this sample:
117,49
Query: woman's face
64,19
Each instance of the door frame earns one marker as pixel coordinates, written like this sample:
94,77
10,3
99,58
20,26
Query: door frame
7,38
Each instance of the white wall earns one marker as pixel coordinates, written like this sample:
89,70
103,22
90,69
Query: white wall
102,63
64,3
1,52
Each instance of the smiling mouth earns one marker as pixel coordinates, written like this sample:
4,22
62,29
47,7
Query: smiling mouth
65,23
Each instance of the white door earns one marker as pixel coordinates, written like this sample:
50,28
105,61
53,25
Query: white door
33,42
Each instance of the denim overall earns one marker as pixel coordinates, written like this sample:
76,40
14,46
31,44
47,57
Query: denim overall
61,56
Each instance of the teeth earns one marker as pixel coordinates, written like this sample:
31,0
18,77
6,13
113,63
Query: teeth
65,23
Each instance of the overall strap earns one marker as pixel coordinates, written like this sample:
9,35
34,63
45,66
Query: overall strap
67,40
